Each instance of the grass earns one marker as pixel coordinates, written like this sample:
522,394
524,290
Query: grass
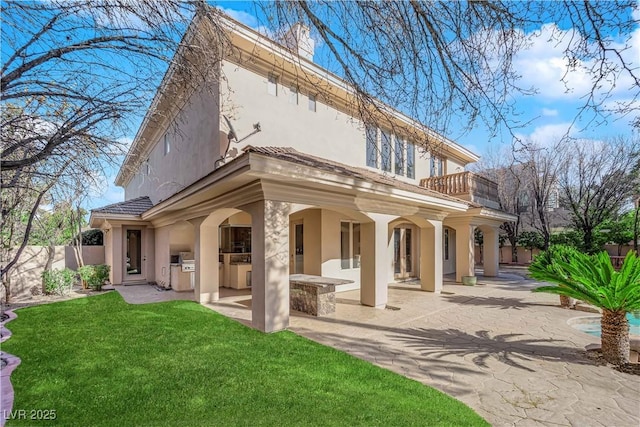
99,361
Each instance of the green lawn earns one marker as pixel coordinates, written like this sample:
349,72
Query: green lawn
100,361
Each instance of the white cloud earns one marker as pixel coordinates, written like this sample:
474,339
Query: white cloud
548,134
241,16
543,66
548,112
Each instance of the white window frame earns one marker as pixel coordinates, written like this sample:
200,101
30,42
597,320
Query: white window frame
372,156
436,166
399,149
388,165
411,159
353,259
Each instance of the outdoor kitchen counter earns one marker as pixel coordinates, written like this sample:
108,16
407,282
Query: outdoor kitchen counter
314,295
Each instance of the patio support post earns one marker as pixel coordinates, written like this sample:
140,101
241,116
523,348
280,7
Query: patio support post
491,251
431,257
465,251
117,246
162,256
269,264
376,260
206,287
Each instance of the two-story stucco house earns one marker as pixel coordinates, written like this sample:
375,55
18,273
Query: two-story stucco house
312,189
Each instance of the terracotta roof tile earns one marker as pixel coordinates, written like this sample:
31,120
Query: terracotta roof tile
128,207
292,155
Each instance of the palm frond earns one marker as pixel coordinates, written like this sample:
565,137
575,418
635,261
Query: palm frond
591,279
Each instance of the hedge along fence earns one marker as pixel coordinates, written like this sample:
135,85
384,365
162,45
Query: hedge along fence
27,272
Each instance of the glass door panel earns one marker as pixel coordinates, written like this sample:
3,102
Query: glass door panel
134,252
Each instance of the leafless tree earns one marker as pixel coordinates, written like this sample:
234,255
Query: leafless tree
539,166
500,167
74,75
450,62
598,179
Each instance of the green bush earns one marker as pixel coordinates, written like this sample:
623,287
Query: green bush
555,252
94,275
59,282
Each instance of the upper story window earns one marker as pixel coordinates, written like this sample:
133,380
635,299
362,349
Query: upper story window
411,160
147,167
386,151
385,143
312,103
399,164
372,146
437,166
272,85
167,144
293,96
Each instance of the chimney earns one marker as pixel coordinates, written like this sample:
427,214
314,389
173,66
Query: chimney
299,40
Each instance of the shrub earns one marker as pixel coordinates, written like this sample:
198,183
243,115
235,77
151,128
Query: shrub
58,282
593,279
545,259
94,275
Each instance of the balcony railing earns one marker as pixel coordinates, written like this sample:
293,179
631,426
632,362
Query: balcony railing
467,186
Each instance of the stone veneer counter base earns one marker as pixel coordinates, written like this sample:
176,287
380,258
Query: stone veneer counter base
314,295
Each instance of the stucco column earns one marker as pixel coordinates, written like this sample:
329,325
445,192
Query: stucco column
491,251
206,258
431,257
465,251
376,261
118,258
269,264
162,256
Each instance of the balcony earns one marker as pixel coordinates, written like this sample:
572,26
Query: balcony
466,186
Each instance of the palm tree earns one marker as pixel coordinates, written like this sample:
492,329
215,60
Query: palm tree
593,279
556,252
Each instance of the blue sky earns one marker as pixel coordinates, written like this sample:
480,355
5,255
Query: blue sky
550,113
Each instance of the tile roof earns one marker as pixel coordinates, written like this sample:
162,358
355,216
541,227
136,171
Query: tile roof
292,155
128,207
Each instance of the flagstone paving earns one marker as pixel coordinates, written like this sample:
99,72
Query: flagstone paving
504,351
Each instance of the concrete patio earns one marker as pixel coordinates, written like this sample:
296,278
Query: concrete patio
504,351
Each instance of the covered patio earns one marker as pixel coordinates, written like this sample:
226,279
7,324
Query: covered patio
501,349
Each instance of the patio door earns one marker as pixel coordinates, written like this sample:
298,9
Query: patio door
134,257
298,248
403,252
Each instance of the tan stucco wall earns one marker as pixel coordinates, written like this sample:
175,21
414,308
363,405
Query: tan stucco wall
91,255
181,237
312,239
327,132
241,218
28,270
162,258
194,139
331,248
148,254
195,134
